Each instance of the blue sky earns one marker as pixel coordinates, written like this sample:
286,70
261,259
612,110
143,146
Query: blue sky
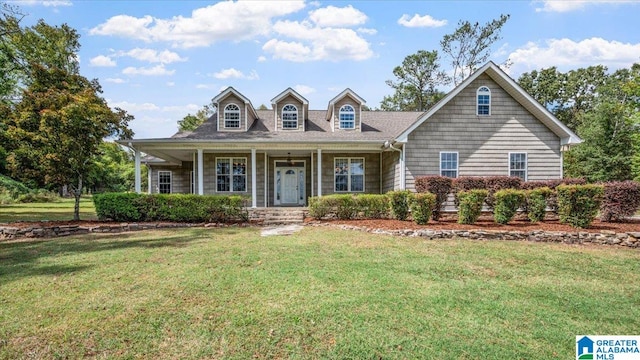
160,60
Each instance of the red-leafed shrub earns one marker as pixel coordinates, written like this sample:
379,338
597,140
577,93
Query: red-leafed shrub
621,199
466,183
440,186
497,183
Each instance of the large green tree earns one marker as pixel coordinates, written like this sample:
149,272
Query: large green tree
191,122
415,87
469,46
113,170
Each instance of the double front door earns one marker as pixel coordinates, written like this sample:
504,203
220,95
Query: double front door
289,184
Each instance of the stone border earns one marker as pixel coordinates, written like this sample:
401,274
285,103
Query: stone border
605,237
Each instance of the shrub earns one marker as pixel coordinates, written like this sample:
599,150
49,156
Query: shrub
170,207
400,202
422,206
552,200
621,199
470,206
466,183
507,202
345,206
318,207
38,196
497,183
440,186
373,206
578,204
536,203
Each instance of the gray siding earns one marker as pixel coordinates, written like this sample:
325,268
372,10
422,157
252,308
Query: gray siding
232,99
483,142
346,100
390,171
179,178
295,102
371,172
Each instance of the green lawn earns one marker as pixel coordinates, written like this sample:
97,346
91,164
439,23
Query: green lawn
62,210
322,293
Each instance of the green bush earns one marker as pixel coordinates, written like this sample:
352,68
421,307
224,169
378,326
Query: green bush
536,203
400,202
578,205
319,207
440,186
345,205
422,206
170,207
470,206
373,206
506,204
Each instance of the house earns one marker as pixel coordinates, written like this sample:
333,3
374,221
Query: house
584,347
488,125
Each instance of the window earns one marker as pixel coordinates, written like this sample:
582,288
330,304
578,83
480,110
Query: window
232,116
518,165
347,117
449,164
231,174
349,174
164,182
289,117
484,100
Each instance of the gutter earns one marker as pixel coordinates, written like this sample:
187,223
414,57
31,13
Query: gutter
389,145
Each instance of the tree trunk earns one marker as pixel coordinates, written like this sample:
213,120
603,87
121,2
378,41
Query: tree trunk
77,193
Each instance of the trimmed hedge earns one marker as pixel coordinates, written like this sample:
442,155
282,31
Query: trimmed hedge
373,206
400,202
466,183
621,199
422,207
552,200
170,207
470,206
507,202
578,205
497,183
536,203
349,206
440,186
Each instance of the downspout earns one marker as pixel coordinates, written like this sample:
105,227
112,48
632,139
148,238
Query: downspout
389,145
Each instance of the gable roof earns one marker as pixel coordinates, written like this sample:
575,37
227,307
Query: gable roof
567,136
344,93
289,91
229,91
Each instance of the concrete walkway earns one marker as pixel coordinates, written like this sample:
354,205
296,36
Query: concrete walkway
281,230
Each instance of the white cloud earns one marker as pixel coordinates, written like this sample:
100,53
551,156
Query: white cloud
420,21
335,17
367,31
206,86
130,107
232,73
46,3
316,43
569,54
226,20
153,56
566,6
102,61
304,89
171,83
158,70
115,80
262,58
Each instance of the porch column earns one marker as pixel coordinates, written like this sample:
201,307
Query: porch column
319,161
200,173
254,188
149,172
137,172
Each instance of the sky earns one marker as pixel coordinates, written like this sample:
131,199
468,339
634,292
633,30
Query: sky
161,60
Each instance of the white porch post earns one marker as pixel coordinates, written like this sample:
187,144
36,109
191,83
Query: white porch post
137,172
200,173
319,160
149,171
254,181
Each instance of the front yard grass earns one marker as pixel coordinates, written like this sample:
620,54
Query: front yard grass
52,211
321,293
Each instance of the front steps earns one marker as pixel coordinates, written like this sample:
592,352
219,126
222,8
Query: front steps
277,215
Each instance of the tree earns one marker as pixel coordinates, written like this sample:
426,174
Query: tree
191,122
416,82
470,45
59,124
113,169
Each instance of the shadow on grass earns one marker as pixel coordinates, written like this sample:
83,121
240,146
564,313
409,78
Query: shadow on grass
50,215
20,258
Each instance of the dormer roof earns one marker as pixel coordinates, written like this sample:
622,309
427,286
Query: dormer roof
287,92
229,91
345,92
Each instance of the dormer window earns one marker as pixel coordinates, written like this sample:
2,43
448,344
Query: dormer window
347,116
289,117
483,95
232,116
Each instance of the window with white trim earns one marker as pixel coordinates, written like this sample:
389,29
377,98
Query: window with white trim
231,174
518,165
232,116
289,117
347,116
483,96
164,182
449,164
349,174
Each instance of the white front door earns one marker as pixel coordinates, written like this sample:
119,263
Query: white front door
290,189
